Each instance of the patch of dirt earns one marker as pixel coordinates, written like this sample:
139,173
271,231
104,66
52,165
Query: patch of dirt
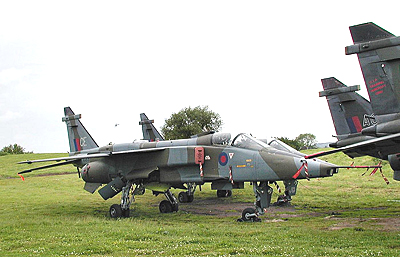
383,224
224,207
220,207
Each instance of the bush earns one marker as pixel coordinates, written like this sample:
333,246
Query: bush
12,149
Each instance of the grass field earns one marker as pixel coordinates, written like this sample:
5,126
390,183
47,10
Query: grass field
51,215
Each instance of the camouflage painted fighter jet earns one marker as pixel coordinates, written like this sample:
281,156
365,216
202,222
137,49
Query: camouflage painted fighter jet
378,52
159,166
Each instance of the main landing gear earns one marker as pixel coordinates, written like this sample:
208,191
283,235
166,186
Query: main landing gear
169,205
188,196
128,197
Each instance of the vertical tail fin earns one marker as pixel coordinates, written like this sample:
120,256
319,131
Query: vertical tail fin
379,55
149,131
350,111
79,138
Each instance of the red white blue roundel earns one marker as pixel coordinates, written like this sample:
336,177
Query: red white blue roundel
223,159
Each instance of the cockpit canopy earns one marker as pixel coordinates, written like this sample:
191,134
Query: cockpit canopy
275,143
275,146
246,141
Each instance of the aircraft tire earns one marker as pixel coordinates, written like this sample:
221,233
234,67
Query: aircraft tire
126,213
190,198
224,193
115,211
248,214
183,197
165,206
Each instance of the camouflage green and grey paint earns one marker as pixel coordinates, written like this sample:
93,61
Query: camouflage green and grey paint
211,158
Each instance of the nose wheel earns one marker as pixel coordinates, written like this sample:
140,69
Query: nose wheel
263,194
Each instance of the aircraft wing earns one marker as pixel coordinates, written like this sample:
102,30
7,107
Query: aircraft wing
374,141
72,159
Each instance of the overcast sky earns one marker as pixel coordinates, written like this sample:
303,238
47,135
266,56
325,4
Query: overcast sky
259,64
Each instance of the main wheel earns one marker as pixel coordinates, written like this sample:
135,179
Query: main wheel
183,197
224,193
126,213
165,206
115,211
248,214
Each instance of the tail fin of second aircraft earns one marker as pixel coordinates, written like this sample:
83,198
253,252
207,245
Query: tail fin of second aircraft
149,131
350,111
379,55
79,137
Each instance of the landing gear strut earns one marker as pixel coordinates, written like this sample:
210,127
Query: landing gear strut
188,196
169,205
290,189
263,194
127,198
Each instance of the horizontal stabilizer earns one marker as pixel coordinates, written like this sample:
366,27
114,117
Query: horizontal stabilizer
73,158
47,166
354,146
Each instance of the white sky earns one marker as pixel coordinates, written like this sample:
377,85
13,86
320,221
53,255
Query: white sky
256,63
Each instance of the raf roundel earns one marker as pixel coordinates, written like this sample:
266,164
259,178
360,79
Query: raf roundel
223,159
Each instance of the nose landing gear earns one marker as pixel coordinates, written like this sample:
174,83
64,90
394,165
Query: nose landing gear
263,194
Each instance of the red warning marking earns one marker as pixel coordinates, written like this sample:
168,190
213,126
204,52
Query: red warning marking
376,84
377,88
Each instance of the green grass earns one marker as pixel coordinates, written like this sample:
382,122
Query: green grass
346,215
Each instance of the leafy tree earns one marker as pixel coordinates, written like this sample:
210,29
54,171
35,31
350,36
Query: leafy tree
302,141
191,121
291,142
306,140
13,149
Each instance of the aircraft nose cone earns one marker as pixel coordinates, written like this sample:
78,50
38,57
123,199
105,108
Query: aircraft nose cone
327,169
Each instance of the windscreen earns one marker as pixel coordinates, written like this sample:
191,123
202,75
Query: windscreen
249,142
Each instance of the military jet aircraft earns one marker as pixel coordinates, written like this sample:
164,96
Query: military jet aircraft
378,52
159,166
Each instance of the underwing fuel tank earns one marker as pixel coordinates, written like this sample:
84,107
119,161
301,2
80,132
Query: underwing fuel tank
97,172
